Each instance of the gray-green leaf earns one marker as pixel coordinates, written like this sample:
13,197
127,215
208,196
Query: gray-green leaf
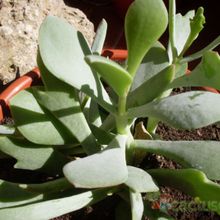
55,207
103,169
33,123
183,29
31,156
151,88
14,194
188,110
190,154
100,35
63,49
155,60
115,75
145,22
66,108
137,206
205,74
140,181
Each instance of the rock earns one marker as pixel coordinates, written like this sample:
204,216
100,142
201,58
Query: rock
19,25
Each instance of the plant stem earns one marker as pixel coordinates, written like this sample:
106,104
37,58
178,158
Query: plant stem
121,119
200,53
172,14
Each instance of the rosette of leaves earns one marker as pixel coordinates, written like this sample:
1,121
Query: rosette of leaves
85,138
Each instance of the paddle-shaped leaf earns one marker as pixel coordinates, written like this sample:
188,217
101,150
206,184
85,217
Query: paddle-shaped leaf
34,123
188,110
100,35
182,29
115,75
102,136
66,108
11,195
31,156
94,114
51,83
152,88
205,74
153,62
103,169
62,101
137,206
140,181
190,154
55,207
14,194
7,129
145,22
63,49
196,25
192,182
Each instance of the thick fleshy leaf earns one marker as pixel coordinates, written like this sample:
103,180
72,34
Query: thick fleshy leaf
34,123
14,194
94,114
183,30
201,52
102,136
152,88
100,35
51,83
115,75
109,123
190,154
205,74
31,156
66,108
63,49
188,110
55,207
137,206
145,22
140,181
192,182
104,169
196,26
62,101
7,129
153,62
11,195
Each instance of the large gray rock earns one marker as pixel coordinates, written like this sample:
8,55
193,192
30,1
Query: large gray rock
19,25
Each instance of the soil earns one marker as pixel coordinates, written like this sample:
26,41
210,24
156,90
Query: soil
19,25
167,133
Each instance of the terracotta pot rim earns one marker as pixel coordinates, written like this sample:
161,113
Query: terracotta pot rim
33,77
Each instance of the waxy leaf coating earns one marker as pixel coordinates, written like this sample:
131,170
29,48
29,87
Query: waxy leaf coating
189,154
184,111
145,22
115,75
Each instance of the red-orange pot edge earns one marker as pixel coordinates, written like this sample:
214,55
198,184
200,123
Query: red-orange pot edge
19,84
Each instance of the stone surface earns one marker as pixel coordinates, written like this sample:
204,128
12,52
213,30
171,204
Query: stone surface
19,25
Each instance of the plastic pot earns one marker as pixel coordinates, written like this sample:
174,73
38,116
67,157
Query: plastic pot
25,81
33,78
